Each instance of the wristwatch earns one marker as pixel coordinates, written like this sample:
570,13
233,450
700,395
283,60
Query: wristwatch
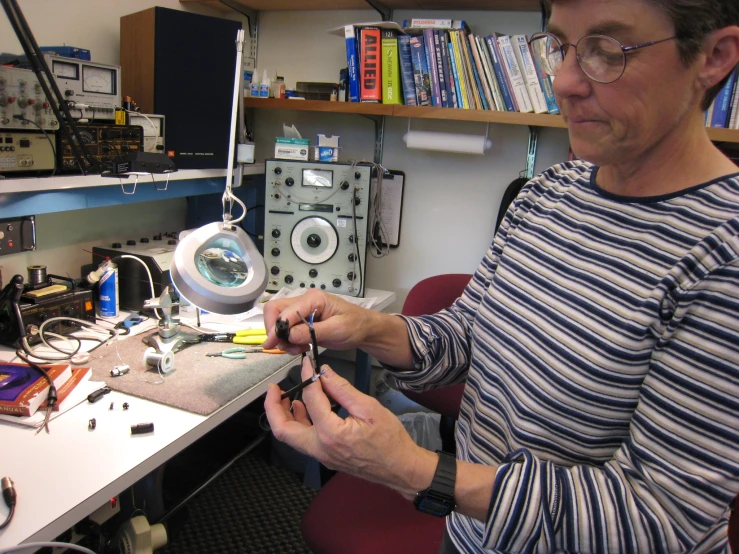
438,499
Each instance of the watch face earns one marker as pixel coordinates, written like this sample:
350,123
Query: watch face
434,506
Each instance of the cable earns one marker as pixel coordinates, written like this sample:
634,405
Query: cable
51,544
148,273
53,150
51,396
9,495
356,240
380,241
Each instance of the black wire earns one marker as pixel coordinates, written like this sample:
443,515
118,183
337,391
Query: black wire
52,396
53,150
356,241
5,523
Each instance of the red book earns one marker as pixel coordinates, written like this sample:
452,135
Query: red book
22,388
78,375
370,68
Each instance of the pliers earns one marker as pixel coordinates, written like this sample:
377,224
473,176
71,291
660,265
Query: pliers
246,336
239,353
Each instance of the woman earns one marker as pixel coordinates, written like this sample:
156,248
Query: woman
599,337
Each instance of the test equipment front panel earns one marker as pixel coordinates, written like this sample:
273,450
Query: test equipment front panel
316,219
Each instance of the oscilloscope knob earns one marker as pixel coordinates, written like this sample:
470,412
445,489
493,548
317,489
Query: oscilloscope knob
336,283
289,181
275,252
313,273
313,240
289,279
351,257
275,270
278,170
357,201
350,276
357,175
344,185
276,233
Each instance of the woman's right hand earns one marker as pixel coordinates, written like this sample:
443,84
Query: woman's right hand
339,325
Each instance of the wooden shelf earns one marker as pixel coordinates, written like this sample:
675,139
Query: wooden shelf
485,116
282,5
363,108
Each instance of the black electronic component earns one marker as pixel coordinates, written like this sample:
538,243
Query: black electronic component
141,428
97,395
282,329
103,142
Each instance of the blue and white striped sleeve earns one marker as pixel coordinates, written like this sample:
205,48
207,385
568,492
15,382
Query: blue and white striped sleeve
667,489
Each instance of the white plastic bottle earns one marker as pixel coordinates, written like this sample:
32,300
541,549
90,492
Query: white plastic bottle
255,84
264,86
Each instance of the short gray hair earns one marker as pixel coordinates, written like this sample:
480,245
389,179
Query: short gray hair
694,20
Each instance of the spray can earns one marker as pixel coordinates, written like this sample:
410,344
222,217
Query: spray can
108,288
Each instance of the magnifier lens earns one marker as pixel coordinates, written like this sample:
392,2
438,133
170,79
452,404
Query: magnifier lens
222,267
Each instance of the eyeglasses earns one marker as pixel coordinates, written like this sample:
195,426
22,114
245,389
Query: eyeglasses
601,58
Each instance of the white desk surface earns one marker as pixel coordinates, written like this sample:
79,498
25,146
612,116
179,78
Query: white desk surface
63,476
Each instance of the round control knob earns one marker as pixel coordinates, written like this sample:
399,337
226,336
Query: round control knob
276,196
116,245
172,242
144,240
351,257
357,175
276,233
275,252
344,185
313,273
351,239
278,171
336,283
313,240
11,99
31,102
357,201
302,285
312,285
32,329
130,242
323,287
42,316
289,181
157,237
23,102
46,105
68,311
289,279
275,270
350,276
68,92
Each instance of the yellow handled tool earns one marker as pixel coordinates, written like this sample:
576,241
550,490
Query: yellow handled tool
254,339
251,332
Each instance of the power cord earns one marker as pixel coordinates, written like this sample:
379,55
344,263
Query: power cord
51,544
9,495
377,230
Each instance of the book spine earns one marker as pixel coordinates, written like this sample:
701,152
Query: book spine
461,73
390,68
426,23
484,85
721,109
526,63
464,47
499,73
420,71
447,68
490,74
732,106
370,69
443,92
406,70
514,75
455,76
546,86
481,97
428,39
352,62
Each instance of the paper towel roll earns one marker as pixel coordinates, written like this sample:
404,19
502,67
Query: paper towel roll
447,142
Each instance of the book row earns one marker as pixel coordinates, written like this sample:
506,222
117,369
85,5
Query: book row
724,110
447,67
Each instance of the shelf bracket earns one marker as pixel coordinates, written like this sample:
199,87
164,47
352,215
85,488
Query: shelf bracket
531,152
379,121
385,12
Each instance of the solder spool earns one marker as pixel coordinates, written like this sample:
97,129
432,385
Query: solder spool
36,274
164,362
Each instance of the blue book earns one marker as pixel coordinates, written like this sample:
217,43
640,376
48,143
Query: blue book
722,104
546,86
455,75
443,93
428,39
421,71
505,91
476,76
451,92
406,70
352,61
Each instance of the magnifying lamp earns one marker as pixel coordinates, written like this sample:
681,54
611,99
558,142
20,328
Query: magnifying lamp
217,267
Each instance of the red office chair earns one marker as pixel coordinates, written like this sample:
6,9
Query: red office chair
734,526
350,514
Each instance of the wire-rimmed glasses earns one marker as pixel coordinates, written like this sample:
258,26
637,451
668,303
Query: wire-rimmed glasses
602,58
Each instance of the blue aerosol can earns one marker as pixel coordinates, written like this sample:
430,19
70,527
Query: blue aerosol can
108,287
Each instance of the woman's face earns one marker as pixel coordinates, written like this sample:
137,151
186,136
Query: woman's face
622,121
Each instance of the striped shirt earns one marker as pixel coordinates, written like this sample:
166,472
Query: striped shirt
599,339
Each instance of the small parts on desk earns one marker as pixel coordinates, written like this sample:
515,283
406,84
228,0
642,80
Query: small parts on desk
245,336
119,370
97,395
92,424
141,428
125,406
111,406
282,329
239,353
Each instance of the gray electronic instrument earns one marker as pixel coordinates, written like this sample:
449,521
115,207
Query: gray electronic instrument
315,222
95,85
23,103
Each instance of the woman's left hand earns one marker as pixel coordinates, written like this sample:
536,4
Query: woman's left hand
370,443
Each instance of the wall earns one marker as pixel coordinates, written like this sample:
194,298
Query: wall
95,25
451,200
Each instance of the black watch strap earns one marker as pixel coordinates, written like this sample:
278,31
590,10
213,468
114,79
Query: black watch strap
445,476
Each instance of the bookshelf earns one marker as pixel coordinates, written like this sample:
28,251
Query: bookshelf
282,5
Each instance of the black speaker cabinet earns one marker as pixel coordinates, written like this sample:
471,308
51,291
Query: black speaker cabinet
181,65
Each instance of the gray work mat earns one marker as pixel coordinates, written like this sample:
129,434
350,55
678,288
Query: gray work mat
198,384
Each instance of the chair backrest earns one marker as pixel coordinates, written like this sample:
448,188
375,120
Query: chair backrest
428,297
734,526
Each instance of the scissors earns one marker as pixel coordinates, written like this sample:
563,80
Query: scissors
239,353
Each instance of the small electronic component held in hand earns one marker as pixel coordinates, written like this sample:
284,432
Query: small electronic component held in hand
282,329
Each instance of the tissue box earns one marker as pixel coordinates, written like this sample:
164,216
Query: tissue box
292,148
327,149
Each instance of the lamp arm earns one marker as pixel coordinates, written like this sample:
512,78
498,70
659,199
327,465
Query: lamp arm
228,196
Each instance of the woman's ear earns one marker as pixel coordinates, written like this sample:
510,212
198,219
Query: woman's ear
721,51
